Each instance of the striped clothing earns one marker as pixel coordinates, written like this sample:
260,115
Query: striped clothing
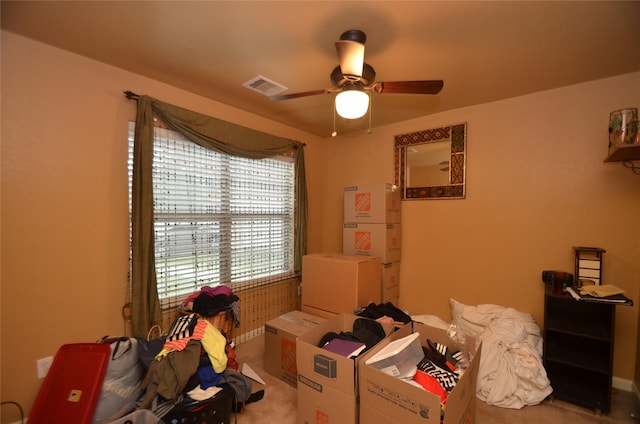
180,344
212,340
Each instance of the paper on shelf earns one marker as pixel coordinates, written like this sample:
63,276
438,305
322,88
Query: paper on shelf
602,290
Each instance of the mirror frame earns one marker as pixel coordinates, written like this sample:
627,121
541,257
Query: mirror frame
456,189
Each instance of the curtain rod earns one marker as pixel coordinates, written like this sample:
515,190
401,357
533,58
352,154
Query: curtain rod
131,95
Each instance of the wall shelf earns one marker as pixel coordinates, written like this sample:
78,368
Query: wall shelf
624,152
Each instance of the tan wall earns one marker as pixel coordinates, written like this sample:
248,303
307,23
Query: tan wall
636,378
64,201
536,186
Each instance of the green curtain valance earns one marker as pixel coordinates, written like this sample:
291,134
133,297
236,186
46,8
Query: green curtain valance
210,133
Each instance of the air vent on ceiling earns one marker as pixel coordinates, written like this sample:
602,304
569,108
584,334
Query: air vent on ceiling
264,86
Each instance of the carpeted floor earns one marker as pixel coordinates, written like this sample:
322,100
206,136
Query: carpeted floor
280,399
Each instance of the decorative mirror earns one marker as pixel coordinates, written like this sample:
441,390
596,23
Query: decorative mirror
431,164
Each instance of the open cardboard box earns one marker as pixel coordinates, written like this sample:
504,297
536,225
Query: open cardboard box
328,382
280,338
385,399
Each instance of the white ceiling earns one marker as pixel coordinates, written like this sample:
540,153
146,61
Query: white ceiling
483,50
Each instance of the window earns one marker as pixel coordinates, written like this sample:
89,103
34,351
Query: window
219,219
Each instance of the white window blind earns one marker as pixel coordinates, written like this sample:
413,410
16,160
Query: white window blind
219,219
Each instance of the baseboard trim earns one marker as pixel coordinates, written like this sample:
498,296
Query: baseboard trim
636,394
622,384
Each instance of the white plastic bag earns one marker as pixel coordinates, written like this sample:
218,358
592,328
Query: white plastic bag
121,387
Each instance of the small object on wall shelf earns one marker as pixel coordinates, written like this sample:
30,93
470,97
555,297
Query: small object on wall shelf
624,152
588,264
624,137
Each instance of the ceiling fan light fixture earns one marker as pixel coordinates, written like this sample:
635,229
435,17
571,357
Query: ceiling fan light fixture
351,56
352,103
353,80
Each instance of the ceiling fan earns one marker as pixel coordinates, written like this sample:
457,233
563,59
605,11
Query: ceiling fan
353,79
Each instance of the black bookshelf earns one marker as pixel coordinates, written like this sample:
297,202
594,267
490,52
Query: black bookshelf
578,350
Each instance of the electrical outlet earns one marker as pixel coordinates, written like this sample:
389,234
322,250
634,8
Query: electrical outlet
43,366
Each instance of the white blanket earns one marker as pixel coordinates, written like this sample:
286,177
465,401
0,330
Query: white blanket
511,374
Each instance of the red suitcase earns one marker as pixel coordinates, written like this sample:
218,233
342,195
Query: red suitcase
71,389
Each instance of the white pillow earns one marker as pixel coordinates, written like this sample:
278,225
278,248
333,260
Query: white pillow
459,312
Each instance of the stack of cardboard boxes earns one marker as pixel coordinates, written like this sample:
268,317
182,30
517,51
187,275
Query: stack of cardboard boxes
372,228
340,390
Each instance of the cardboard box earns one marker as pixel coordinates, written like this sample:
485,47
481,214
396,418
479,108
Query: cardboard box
391,294
280,335
375,240
385,399
327,382
318,312
321,405
391,283
334,283
390,274
375,204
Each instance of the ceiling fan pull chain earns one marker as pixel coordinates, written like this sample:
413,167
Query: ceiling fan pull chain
334,133
370,111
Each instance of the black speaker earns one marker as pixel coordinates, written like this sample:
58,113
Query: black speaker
557,278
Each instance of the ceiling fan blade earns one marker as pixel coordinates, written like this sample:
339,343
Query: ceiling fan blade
408,87
300,94
351,57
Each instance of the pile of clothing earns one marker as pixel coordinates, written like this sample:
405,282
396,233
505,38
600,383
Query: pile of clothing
511,373
210,301
438,372
193,347
195,360
384,312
